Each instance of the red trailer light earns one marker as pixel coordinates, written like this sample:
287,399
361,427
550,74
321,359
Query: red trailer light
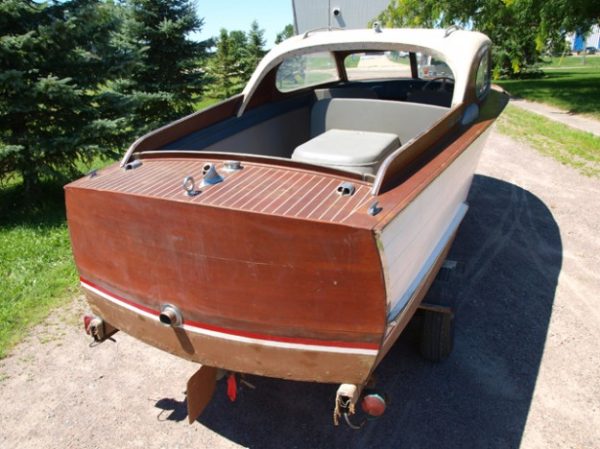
87,319
373,404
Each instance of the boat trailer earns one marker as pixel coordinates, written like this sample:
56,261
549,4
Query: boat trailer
436,344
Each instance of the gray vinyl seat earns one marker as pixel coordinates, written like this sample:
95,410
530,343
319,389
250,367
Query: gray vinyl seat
345,92
406,120
357,134
358,151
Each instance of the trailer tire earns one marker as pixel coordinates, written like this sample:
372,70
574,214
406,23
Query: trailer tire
437,335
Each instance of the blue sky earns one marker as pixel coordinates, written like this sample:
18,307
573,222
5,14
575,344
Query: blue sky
272,16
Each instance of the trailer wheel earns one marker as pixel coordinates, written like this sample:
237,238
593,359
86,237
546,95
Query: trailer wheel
437,335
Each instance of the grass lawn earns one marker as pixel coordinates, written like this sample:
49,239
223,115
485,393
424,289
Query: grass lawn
571,147
36,264
573,61
575,90
205,102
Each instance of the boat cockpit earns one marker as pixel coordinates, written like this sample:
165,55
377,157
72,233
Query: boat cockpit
336,103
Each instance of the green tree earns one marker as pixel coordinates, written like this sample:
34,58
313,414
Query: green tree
55,58
286,33
256,46
519,29
240,48
225,66
168,78
235,57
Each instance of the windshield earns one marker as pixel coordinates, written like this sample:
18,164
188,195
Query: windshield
377,65
372,65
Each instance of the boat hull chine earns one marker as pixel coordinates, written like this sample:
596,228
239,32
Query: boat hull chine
285,359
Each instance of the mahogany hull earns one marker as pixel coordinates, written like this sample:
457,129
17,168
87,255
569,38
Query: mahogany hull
271,295
274,272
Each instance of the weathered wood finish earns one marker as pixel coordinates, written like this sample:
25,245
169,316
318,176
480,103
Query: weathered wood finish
200,389
240,357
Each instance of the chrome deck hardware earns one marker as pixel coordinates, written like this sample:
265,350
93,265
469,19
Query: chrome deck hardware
374,208
210,175
189,185
132,165
231,166
346,189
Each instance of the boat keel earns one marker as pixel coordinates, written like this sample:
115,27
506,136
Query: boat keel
200,389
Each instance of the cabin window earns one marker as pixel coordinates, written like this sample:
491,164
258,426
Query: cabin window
430,67
303,71
377,64
482,81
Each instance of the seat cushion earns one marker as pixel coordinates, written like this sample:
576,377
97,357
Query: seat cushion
348,149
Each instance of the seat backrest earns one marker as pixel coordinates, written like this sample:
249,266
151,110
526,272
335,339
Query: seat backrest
406,120
345,92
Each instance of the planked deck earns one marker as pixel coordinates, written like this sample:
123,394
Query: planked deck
260,188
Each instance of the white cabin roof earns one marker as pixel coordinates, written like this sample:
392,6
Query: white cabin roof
458,48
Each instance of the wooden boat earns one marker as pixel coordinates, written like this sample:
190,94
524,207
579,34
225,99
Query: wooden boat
317,207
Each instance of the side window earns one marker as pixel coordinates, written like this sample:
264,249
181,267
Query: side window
482,80
303,71
429,67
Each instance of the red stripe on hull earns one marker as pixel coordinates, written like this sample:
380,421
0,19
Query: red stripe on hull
282,339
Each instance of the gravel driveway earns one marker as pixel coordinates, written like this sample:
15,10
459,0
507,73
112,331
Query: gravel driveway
525,371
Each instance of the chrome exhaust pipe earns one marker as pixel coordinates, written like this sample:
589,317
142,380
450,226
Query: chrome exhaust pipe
170,316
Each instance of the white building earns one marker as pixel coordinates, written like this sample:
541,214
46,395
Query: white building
591,39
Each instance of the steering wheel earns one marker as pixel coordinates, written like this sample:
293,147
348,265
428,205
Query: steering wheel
443,79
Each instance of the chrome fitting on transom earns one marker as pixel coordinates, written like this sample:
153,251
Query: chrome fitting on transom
170,316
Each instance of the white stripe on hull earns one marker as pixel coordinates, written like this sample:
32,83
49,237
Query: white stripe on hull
233,337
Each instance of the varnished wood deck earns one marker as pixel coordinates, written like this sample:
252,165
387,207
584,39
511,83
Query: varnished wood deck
272,190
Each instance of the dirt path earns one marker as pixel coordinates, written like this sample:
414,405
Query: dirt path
525,371
577,121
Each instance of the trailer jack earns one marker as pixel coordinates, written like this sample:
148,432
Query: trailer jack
347,396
